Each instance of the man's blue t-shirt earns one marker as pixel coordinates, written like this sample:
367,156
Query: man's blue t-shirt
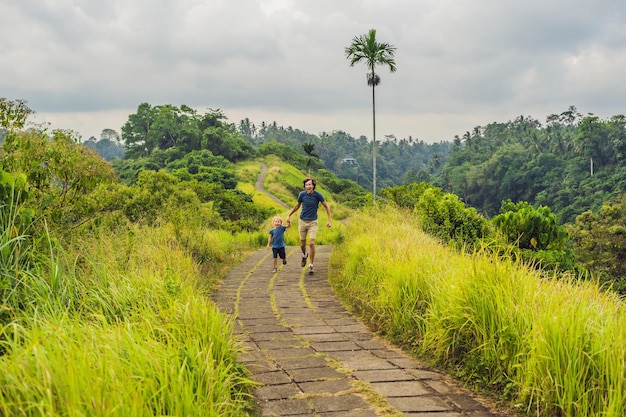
310,203
278,236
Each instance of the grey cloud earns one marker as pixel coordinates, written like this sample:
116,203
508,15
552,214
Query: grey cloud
476,58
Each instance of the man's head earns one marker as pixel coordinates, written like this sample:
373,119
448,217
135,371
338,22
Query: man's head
311,181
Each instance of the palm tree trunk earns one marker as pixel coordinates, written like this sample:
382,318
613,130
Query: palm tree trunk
374,143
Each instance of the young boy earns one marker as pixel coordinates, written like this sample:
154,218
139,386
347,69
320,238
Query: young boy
277,240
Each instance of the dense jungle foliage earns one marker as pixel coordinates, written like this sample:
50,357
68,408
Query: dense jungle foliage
553,192
571,164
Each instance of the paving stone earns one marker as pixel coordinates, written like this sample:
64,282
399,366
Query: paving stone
276,392
419,404
325,387
300,363
281,408
261,322
339,403
481,413
325,337
363,340
386,353
361,360
306,330
314,374
255,312
261,367
465,402
271,378
383,375
439,386
300,319
345,320
352,413
335,346
352,328
291,352
406,363
424,374
250,356
400,388
280,343
254,331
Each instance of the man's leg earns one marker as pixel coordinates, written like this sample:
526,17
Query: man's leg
304,256
312,236
312,250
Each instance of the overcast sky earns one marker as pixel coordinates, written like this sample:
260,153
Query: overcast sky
86,65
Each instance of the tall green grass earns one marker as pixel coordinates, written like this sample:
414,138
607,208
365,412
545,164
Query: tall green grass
122,329
547,346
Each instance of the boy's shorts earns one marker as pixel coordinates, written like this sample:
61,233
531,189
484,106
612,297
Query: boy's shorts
307,226
279,253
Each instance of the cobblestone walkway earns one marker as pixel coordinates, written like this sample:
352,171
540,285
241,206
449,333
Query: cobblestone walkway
313,358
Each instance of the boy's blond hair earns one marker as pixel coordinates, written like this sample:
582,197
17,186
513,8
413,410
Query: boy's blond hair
277,218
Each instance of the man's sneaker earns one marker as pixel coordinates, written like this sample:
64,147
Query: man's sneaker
311,269
303,263
274,270
284,261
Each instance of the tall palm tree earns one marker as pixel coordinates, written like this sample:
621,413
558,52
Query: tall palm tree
366,48
309,148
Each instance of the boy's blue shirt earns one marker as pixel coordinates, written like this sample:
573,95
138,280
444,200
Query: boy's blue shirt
278,236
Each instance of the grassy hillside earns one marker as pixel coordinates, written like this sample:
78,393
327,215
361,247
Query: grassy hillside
544,346
284,181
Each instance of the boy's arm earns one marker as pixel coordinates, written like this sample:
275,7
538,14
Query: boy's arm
269,241
288,225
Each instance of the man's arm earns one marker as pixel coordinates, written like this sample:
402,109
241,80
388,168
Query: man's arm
293,210
327,207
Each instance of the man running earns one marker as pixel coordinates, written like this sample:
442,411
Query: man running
309,200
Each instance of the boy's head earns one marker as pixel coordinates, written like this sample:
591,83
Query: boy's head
277,221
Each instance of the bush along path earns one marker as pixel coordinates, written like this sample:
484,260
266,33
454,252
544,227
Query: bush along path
313,358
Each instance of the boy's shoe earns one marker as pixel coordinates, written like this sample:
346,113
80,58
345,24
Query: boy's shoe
284,261
303,263
274,270
311,269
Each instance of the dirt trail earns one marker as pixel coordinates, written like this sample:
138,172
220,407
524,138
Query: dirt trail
259,187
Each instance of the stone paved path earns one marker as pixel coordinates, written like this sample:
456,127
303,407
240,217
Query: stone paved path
313,358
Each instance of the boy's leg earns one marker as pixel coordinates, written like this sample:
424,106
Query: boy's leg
274,257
